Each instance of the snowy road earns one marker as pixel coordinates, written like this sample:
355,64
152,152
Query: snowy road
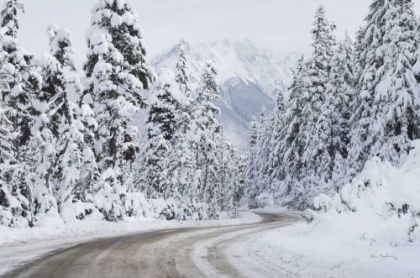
189,252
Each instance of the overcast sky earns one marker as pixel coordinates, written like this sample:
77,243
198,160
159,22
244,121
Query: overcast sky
274,24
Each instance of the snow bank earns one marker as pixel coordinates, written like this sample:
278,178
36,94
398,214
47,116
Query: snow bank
369,229
388,195
59,230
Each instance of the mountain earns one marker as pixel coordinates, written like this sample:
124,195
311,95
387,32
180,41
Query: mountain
249,78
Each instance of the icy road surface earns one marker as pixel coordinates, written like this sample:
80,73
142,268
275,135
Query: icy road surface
187,252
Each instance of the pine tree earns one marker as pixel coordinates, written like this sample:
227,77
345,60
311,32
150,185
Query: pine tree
337,108
182,168
228,182
13,207
72,158
182,164
387,92
156,174
24,82
118,73
294,140
252,173
241,179
182,74
161,126
46,130
235,180
23,85
263,120
316,156
208,131
263,150
276,170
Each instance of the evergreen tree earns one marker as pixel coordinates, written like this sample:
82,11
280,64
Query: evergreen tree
228,182
24,82
182,167
387,92
23,85
294,140
46,131
182,164
252,171
236,180
316,157
337,108
118,73
263,120
275,161
241,179
208,131
13,207
263,151
161,126
156,172
182,74
71,159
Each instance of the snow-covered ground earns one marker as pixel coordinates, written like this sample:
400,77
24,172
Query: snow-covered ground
336,248
21,245
371,228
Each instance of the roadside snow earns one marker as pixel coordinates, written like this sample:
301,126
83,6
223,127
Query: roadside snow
18,246
232,249
337,248
371,228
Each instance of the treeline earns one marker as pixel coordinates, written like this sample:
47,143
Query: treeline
185,158
348,102
68,146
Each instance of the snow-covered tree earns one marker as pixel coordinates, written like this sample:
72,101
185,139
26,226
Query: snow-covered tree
24,82
337,109
385,119
61,46
13,207
182,162
241,178
264,150
164,101
71,167
117,73
182,73
275,159
263,120
228,183
156,171
252,164
23,85
294,141
208,132
316,157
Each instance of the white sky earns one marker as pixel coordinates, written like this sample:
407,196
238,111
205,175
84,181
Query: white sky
275,24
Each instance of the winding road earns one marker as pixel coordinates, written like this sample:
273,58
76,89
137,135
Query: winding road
189,252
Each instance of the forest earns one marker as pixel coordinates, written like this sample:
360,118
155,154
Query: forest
70,150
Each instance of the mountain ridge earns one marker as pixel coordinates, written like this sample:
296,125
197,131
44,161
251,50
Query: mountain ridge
249,77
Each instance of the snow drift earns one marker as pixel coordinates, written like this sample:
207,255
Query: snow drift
370,229
385,199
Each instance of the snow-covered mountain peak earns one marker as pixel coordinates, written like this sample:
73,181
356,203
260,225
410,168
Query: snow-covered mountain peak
270,70
249,77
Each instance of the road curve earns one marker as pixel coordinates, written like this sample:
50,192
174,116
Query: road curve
187,252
